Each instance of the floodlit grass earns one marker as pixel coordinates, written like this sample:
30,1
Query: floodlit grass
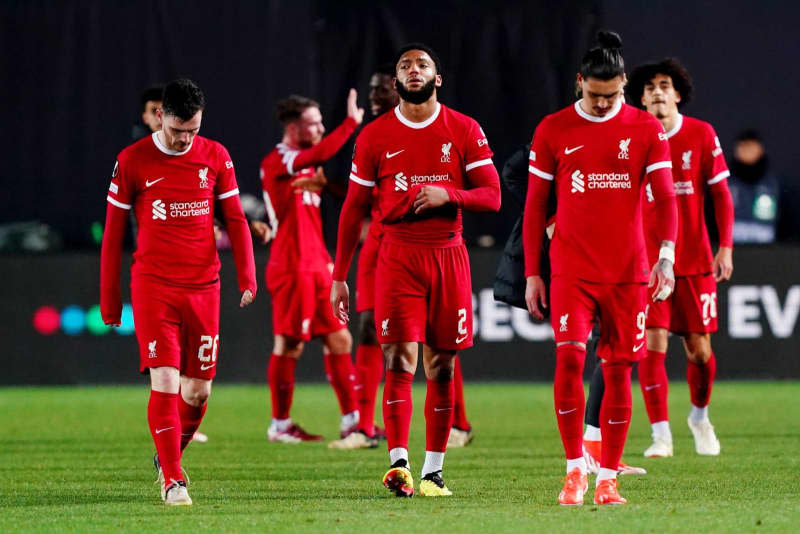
78,460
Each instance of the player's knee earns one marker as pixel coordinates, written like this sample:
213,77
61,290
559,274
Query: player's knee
197,394
657,339
398,359
698,354
339,342
440,367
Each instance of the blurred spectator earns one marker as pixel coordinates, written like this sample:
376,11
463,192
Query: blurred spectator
150,103
755,190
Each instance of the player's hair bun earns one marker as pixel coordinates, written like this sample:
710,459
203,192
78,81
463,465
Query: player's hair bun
608,39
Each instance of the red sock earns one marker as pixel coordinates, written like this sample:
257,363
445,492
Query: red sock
654,384
615,412
342,376
459,412
569,399
397,408
165,427
280,376
700,377
439,401
369,371
191,416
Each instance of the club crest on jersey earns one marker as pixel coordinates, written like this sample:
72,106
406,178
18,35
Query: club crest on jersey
385,327
624,144
687,160
446,152
203,174
563,320
159,211
152,348
400,182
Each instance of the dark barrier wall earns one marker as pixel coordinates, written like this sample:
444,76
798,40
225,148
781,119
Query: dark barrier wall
51,335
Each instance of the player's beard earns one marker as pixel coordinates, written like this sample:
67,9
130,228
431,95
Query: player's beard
420,96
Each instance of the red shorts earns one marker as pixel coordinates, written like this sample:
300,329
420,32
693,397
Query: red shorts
301,304
365,275
692,307
425,295
619,308
177,327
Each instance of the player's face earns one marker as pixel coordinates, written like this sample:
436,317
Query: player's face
179,134
150,115
382,96
309,127
660,97
416,77
600,96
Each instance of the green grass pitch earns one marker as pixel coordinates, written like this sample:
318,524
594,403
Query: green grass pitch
78,460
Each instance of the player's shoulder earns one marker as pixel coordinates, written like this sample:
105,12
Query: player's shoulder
558,118
453,116
632,114
275,154
699,126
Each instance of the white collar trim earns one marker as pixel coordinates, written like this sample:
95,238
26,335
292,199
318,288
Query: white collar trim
677,128
166,150
592,118
417,125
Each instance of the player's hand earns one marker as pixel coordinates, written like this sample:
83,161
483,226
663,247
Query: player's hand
217,233
247,298
662,278
535,296
340,300
353,111
429,197
311,183
262,231
723,264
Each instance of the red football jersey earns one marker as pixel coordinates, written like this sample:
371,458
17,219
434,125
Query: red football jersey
293,213
172,195
697,163
400,156
599,165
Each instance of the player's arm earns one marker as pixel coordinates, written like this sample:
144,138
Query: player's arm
723,205
227,192
117,211
665,211
540,177
331,143
356,207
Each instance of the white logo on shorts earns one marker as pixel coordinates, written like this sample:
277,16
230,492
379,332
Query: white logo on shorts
152,348
563,321
306,325
385,327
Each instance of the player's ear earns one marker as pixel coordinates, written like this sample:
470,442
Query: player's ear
438,82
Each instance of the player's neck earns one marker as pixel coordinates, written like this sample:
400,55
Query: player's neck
419,112
670,121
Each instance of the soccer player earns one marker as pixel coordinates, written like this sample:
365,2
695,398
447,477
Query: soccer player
599,152
299,270
171,180
420,157
698,168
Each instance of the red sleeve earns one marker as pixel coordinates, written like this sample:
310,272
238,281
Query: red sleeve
227,191
485,195
356,207
723,212
295,160
662,187
541,172
120,197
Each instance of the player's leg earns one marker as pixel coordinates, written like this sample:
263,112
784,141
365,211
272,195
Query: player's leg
461,433
339,370
439,402
401,363
572,316
655,387
592,437
369,372
192,404
702,367
281,378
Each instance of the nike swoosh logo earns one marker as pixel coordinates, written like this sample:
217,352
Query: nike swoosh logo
654,386
569,151
205,367
393,154
395,401
148,183
460,339
562,412
706,321
441,409
164,429
637,347
610,422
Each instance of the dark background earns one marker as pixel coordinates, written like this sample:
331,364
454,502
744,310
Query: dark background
73,72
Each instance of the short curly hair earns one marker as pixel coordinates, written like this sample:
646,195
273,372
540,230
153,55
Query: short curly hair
183,99
290,108
669,66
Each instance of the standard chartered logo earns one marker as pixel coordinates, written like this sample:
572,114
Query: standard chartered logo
599,180
159,210
578,183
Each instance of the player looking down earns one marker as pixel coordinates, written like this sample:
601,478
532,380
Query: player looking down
420,157
172,180
599,153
